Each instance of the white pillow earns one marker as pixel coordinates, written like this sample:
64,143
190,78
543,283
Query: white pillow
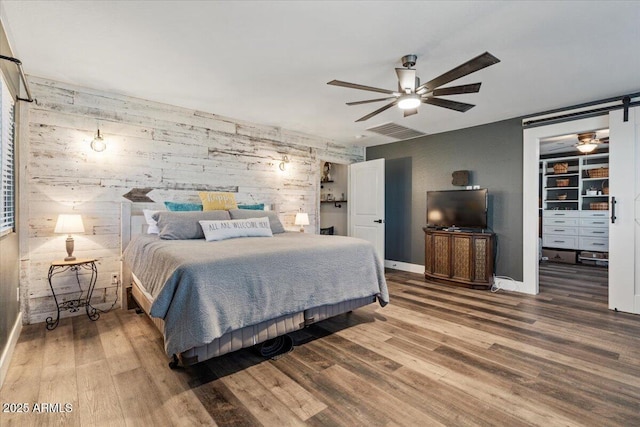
230,228
152,223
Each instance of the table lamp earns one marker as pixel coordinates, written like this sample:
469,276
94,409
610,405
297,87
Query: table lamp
68,224
302,219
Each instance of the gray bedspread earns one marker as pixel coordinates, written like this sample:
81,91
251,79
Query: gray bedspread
203,290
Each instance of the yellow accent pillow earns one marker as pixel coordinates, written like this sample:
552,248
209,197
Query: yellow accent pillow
214,201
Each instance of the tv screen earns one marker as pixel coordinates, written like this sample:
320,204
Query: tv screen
457,208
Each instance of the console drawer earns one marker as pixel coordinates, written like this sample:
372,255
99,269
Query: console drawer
559,229
560,214
594,244
594,232
560,221
594,222
559,241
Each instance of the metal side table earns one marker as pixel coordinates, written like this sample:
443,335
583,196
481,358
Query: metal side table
76,266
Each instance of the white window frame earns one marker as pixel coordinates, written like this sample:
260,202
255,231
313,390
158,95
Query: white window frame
7,160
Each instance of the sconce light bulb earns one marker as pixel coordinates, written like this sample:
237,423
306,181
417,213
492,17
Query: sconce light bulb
98,144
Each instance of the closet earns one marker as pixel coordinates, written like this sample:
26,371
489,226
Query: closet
575,207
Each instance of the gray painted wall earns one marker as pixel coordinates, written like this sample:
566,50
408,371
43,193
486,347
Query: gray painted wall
493,155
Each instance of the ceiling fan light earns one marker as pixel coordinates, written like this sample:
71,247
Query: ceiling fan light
586,146
408,102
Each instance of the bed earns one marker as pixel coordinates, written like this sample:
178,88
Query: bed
209,298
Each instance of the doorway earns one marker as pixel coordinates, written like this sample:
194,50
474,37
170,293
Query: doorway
334,187
532,191
573,203
624,202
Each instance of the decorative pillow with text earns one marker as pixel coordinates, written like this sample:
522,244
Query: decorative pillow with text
232,228
213,201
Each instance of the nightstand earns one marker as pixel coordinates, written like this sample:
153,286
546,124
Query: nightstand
75,266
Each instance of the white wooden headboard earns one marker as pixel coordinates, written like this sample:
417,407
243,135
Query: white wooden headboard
132,223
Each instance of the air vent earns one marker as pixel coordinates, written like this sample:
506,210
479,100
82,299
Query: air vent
396,131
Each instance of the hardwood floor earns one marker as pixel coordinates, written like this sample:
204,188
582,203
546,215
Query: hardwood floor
436,355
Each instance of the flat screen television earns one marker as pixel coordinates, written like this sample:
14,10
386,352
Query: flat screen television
457,208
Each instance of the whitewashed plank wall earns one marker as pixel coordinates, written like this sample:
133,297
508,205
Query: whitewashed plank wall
175,151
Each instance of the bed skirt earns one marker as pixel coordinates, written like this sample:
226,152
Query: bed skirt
250,335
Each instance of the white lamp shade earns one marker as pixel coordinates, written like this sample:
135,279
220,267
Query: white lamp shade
69,224
302,218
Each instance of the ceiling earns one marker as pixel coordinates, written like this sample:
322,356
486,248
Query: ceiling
269,62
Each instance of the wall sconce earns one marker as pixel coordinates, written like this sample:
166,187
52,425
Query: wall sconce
302,219
283,163
68,224
98,144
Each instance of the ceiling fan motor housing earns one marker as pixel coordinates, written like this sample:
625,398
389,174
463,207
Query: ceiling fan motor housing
409,61
586,137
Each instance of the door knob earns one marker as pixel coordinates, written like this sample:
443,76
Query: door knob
379,221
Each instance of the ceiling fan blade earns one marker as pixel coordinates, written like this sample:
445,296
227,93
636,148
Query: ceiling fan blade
410,112
471,66
369,100
452,105
406,79
457,90
361,87
378,111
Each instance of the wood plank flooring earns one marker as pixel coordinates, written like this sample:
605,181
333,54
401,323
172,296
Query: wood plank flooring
436,355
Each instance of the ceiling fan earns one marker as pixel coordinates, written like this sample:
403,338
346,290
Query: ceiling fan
411,93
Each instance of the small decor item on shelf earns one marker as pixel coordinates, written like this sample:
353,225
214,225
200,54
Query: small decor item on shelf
562,197
592,191
326,172
562,182
598,173
599,206
605,187
561,168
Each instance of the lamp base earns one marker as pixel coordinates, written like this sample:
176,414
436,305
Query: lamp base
302,229
69,245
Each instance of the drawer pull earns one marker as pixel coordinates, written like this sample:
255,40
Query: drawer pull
598,244
558,241
559,222
597,232
598,222
560,230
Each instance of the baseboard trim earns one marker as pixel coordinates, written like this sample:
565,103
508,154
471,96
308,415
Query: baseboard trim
508,284
7,353
404,266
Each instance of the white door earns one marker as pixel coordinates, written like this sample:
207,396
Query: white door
624,230
366,203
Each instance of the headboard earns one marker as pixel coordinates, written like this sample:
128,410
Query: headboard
132,223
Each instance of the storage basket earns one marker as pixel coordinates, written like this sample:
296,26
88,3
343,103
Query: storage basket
562,197
599,206
598,173
562,182
605,187
561,168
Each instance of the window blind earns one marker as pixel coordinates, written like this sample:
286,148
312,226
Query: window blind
7,159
